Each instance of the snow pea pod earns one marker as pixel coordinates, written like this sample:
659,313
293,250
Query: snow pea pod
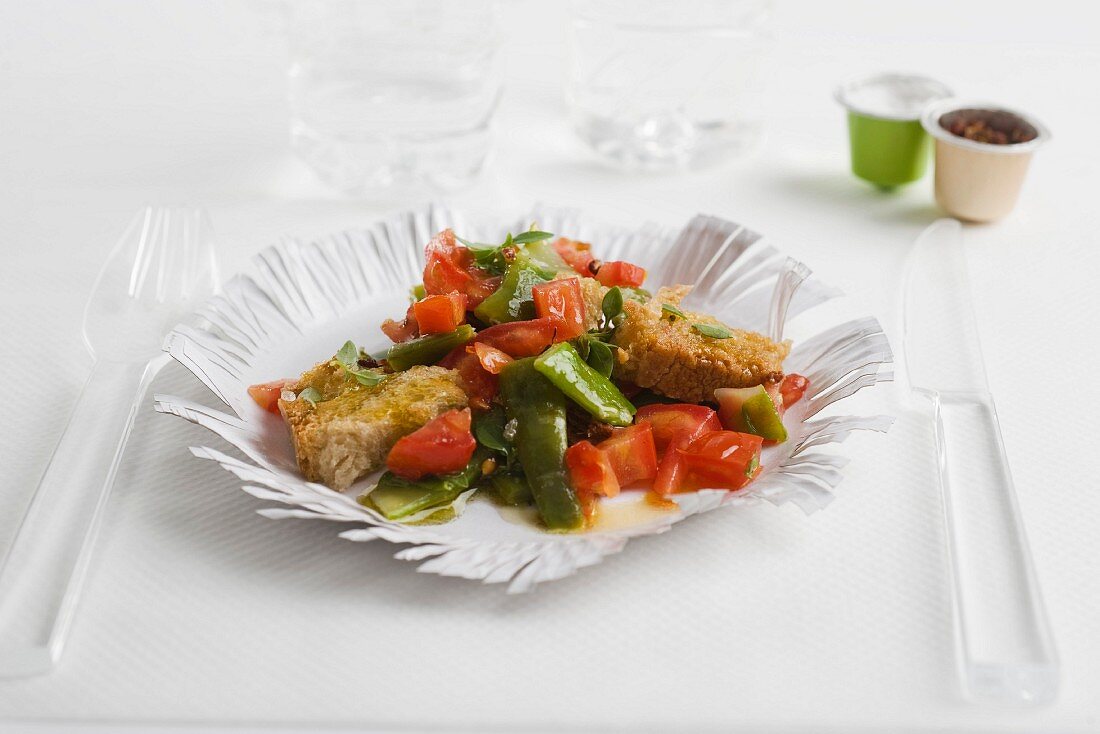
427,349
512,301
538,408
396,497
564,368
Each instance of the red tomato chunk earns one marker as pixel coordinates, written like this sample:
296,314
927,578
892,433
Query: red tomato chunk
443,445
440,314
450,267
792,389
491,358
561,301
402,331
267,394
674,427
520,339
576,254
720,460
632,453
480,385
621,273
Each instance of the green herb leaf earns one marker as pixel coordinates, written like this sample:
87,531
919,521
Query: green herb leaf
489,432
475,245
714,332
348,359
367,377
533,236
417,293
673,311
600,358
612,304
311,395
348,356
583,344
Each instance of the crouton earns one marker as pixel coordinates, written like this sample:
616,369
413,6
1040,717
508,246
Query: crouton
352,428
664,353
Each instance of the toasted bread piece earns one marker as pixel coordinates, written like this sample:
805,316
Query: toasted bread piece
670,357
349,432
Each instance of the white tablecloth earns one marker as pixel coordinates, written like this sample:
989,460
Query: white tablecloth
200,611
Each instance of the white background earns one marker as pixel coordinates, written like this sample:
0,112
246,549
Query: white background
200,611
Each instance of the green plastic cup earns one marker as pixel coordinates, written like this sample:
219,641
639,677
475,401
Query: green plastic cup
888,145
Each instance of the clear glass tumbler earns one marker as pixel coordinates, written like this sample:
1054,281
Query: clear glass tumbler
385,91
667,83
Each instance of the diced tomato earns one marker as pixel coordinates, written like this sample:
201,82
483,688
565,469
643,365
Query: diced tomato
677,423
622,273
480,385
491,358
792,389
576,254
450,267
267,394
590,470
443,445
562,302
720,460
446,263
520,339
632,453
670,473
674,427
402,331
440,314
481,287
591,476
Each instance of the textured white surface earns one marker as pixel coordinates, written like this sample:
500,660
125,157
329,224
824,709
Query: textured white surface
198,611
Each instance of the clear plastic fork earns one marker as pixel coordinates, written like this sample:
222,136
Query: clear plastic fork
159,271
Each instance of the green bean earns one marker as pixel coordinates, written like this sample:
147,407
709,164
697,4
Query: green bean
563,366
427,349
538,408
396,497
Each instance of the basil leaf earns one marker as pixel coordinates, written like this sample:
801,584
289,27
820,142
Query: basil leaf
714,332
533,236
367,377
417,293
600,358
673,311
311,395
475,245
582,344
489,431
348,356
612,304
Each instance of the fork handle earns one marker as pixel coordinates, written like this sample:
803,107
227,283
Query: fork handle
41,578
1005,645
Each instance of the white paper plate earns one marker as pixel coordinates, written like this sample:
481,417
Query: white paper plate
303,300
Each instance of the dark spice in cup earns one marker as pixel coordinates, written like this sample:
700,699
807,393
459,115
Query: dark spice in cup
995,127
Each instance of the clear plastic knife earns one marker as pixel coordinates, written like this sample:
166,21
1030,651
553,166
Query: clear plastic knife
1006,652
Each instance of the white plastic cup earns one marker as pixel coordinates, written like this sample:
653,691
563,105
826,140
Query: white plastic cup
979,181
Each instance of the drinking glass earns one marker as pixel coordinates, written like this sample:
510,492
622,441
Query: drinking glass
385,91
667,83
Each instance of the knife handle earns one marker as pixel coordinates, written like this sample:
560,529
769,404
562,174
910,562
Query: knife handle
1006,651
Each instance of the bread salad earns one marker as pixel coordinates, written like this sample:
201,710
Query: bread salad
537,374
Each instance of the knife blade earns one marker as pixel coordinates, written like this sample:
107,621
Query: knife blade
1005,650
